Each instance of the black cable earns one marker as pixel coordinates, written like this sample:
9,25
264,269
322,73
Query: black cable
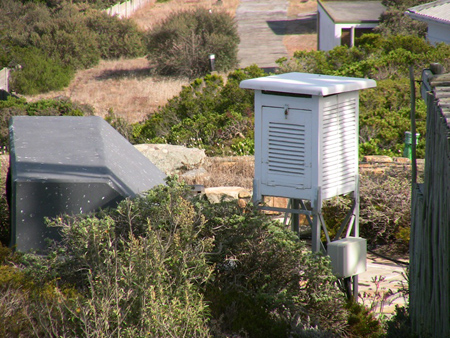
388,258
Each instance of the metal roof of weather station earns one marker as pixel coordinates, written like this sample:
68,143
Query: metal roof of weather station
353,11
437,11
75,149
308,84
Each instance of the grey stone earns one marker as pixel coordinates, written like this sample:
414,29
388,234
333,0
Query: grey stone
171,159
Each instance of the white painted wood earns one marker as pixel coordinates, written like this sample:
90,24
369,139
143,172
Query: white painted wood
306,134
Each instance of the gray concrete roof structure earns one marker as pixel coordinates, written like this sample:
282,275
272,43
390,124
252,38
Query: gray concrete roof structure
69,165
353,11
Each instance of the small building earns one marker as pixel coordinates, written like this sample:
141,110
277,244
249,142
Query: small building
437,16
69,165
341,22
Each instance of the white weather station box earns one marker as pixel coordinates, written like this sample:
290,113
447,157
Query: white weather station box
306,134
306,148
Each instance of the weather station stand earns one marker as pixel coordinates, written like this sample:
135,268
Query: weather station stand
306,150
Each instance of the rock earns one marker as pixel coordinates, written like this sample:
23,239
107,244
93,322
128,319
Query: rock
172,159
196,174
377,159
218,194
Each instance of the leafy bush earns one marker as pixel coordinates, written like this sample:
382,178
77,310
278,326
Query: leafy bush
165,264
207,114
68,39
60,37
385,209
399,326
394,21
265,282
36,73
116,37
181,45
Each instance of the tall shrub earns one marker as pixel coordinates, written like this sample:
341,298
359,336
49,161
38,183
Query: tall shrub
181,45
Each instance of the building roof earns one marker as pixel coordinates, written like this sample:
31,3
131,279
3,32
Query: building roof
437,11
353,11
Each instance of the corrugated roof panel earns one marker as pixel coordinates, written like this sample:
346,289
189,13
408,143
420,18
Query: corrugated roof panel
436,11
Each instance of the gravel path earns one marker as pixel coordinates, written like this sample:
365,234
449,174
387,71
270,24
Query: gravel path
261,26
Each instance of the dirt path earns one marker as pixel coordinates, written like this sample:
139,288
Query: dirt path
271,29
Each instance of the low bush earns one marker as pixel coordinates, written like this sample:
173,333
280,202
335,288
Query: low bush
51,39
36,73
181,44
165,264
116,37
266,283
385,209
207,114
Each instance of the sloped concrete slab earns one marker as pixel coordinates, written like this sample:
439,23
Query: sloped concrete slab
69,165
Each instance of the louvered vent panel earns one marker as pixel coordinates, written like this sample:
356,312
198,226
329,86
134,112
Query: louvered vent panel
286,148
339,152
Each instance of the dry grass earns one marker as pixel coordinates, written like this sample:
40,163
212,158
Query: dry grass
154,13
125,86
236,171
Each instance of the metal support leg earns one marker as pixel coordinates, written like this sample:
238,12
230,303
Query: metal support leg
317,208
356,232
295,221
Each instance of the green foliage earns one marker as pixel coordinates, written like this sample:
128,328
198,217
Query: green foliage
116,37
133,271
181,45
394,21
374,57
207,114
5,232
385,117
37,73
362,323
399,326
68,39
162,265
266,283
49,40
385,205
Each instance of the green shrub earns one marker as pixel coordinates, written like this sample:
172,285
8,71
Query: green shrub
266,283
208,114
394,21
36,73
68,39
116,37
137,271
181,45
385,210
162,265
399,326
362,323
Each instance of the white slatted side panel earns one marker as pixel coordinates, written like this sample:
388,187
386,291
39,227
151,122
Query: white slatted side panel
339,145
